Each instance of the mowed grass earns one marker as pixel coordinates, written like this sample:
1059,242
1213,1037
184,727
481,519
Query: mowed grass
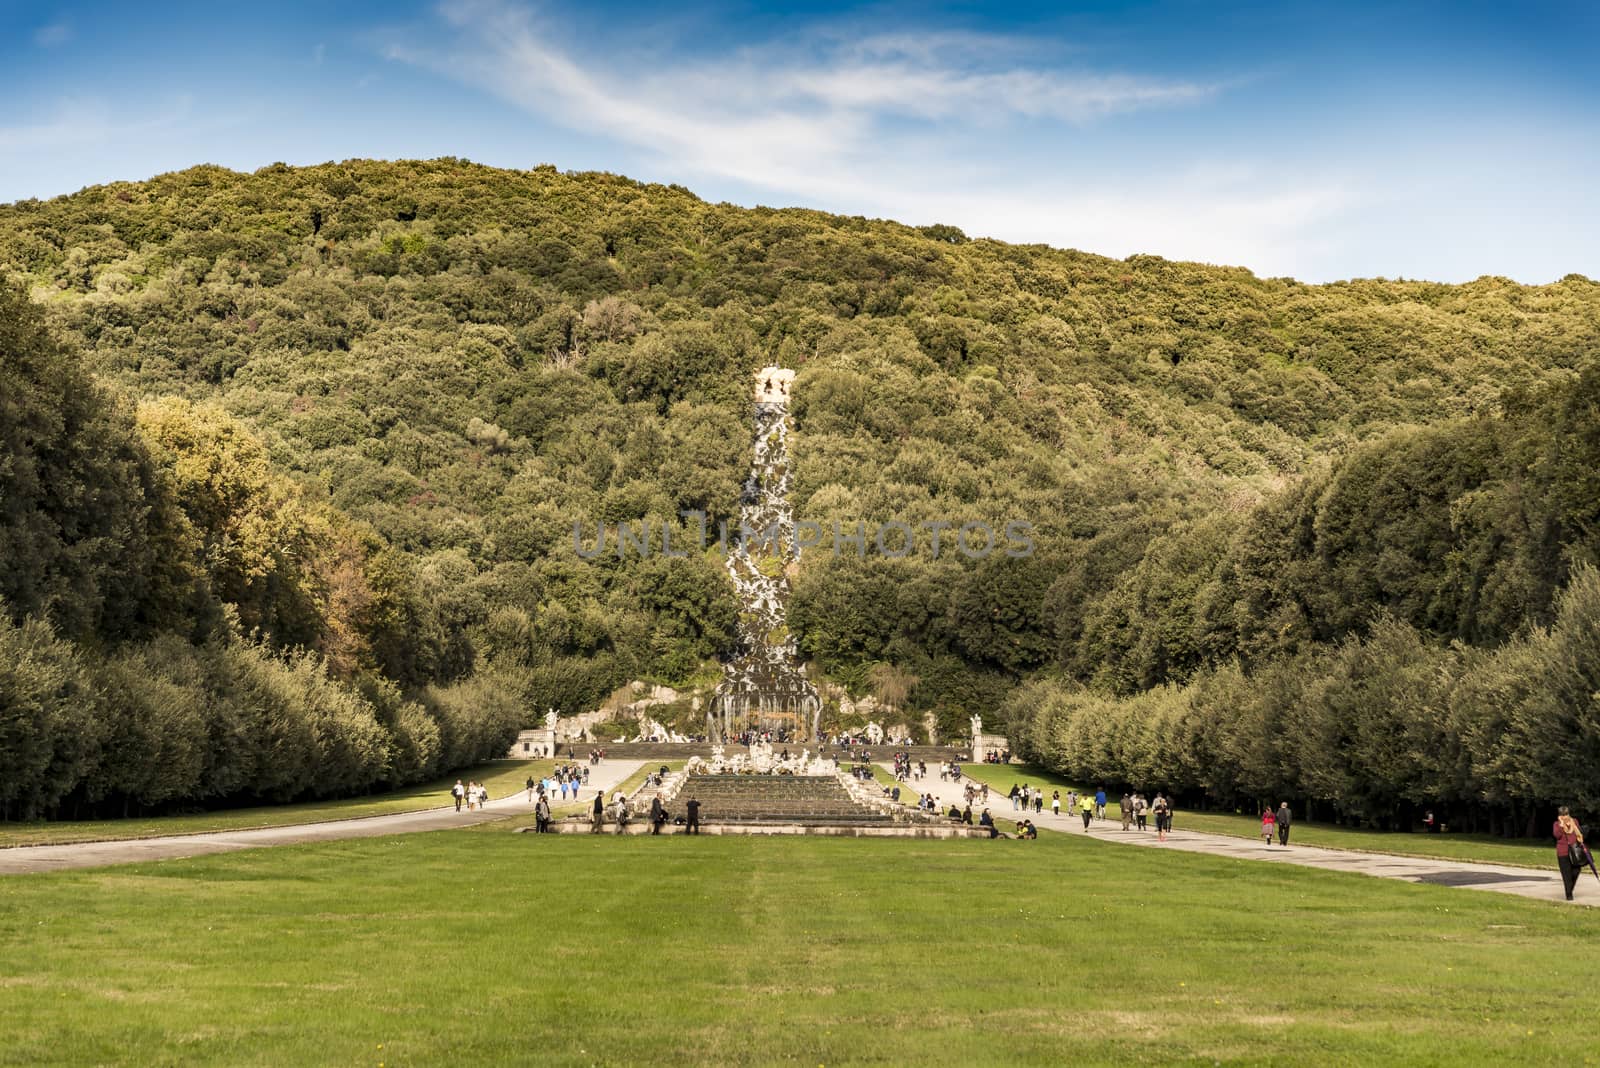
1527,852
570,949
502,777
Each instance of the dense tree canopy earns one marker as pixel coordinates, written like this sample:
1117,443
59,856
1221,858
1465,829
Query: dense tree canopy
353,412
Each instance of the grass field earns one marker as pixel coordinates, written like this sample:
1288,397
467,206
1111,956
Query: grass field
502,777
566,949
1529,853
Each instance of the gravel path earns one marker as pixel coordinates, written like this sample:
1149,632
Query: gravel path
27,859
1543,884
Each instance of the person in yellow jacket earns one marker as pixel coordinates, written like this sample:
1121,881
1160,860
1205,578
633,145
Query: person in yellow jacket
1086,807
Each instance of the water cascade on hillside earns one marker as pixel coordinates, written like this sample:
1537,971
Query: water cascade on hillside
764,687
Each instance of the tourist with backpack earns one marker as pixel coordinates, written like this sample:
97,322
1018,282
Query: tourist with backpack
1572,856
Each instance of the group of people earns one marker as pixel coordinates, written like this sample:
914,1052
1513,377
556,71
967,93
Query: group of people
1275,822
906,769
1026,831
472,794
1137,811
619,812
563,778
1027,798
659,816
751,736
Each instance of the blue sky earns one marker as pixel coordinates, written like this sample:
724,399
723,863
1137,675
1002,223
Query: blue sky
1421,140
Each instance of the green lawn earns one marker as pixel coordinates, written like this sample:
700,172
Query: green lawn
461,948
502,777
1528,853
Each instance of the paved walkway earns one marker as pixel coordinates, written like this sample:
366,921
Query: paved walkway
1543,884
24,859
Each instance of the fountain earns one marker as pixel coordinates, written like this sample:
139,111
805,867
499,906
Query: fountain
764,687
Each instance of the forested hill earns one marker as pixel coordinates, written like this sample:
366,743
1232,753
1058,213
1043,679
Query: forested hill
367,403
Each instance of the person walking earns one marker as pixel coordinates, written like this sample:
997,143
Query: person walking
1163,813
1100,803
658,815
1140,811
530,784
1055,802
1087,807
1127,811
541,816
1571,853
1072,801
598,822
459,792
1283,823
1268,825
692,822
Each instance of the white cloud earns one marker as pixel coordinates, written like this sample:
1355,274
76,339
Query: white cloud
890,124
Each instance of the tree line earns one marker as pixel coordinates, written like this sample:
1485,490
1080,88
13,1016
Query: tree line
1371,730
178,626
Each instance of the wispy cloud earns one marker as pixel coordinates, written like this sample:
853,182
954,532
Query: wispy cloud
81,122
800,119
53,34
886,124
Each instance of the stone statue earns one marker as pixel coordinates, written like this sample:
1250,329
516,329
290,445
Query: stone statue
550,720
977,727
874,733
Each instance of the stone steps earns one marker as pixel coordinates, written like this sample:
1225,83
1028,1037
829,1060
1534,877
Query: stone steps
812,799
